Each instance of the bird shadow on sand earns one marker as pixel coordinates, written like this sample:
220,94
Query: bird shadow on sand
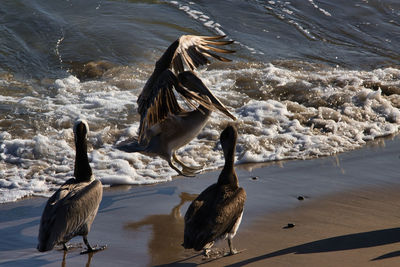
388,255
181,262
338,243
199,259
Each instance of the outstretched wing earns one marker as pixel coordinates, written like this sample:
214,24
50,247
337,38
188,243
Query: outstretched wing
157,98
194,51
192,88
161,101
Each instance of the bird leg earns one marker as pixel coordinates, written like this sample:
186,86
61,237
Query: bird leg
183,173
186,168
89,247
232,251
171,164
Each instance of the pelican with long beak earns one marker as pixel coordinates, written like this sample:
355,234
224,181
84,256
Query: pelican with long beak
164,125
70,211
217,212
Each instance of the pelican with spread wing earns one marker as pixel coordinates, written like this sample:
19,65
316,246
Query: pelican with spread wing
164,125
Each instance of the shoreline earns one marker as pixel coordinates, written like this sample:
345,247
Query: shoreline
143,225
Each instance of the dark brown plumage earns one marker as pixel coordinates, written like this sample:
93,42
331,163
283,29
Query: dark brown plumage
217,212
157,100
70,211
164,125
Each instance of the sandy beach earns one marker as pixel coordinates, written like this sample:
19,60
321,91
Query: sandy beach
349,216
309,83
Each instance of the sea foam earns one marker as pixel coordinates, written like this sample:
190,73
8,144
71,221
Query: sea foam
284,110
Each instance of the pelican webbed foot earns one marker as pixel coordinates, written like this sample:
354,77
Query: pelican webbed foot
186,168
184,171
188,174
94,249
232,251
91,249
207,252
194,169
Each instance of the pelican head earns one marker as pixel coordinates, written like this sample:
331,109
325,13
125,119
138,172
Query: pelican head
81,129
228,139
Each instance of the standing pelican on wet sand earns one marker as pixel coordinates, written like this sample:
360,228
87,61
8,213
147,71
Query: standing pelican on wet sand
217,212
164,125
70,211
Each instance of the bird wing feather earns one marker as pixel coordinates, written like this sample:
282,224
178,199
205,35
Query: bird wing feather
157,99
68,210
229,213
219,222
192,88
159,104
194,51
195,213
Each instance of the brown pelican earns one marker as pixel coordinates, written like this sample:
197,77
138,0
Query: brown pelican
217,212
164,125
70,211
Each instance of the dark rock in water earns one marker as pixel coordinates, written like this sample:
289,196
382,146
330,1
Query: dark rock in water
289,225
254,178
91,69
300,198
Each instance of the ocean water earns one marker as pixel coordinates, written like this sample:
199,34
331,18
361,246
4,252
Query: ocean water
310,78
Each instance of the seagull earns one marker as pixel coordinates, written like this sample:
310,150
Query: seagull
217,212
70,211
164,125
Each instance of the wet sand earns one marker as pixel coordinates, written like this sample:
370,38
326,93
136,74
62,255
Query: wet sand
349,216
359,228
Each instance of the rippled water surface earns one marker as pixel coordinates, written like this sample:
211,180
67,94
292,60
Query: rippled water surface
309,78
